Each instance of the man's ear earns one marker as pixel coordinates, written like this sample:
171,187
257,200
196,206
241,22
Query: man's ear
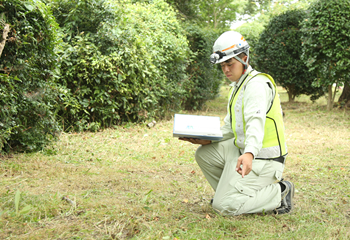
244,59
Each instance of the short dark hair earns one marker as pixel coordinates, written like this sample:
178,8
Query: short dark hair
242,55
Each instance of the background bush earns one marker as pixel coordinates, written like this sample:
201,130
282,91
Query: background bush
279,51
251,32
204,79
116,62
326,48
27,66
128,63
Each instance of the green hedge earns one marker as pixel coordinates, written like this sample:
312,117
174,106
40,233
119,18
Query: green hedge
27,66
204,79
127,66
127,61
326,41
279,51
116,62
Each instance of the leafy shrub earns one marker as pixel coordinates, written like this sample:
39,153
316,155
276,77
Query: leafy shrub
251,32
160,53
326,48
27,66
279,51
129,64
204,79
76,17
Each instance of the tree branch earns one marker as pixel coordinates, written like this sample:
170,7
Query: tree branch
4,37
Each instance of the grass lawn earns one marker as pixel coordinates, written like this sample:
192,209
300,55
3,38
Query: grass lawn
133,182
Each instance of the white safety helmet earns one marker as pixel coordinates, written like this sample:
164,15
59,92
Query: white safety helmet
229,45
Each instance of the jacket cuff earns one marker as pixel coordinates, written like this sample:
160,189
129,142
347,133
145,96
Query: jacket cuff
252,150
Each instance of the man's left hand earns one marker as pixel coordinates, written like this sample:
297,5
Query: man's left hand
246,160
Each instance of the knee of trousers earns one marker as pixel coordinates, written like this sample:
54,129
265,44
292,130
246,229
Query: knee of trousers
204,154
232,202
228,205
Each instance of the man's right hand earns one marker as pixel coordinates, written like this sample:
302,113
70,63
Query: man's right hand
196,141
246,160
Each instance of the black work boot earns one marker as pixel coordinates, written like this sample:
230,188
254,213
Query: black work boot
286,198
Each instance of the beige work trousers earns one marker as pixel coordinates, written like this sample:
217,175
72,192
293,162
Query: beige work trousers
256,192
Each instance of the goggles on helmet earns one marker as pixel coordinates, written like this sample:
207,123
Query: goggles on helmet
216,56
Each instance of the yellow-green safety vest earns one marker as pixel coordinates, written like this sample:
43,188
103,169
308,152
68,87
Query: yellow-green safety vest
274,143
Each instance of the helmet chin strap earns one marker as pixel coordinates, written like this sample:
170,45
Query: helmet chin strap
245,64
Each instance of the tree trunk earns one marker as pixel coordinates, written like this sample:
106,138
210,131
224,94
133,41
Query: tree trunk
330,98
291,97
215,20
344,99
4,37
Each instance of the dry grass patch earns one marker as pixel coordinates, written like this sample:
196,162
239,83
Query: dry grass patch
133,182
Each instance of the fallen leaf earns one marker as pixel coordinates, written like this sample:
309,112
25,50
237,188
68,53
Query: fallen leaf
185,200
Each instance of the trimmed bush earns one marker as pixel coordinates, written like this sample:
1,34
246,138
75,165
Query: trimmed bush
279,51
127,65
204,79
27,66
326,48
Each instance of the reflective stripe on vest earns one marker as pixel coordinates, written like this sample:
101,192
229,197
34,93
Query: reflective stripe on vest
274,144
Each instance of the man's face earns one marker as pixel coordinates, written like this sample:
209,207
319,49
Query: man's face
233,69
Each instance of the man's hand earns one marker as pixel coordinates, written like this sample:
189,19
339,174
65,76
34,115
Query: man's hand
196,141
247,161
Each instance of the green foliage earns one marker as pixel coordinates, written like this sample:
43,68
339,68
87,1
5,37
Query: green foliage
253,6
276,7
219,14
75,16
326,48
27,66
278,53
159,56
207,13
185,8
251,32
252,29
128,66
204,78
326,38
